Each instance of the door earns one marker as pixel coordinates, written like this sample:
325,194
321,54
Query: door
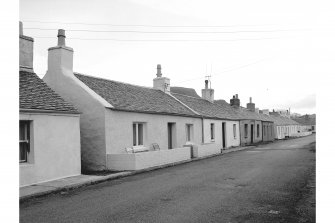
171,135
252,134
223,134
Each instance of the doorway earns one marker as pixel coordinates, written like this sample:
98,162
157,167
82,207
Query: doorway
171,135
223,134
252,133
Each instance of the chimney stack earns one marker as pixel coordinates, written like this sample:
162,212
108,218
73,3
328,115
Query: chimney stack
235,101
251,106
60,57
26,55
207,93
161,83
265,111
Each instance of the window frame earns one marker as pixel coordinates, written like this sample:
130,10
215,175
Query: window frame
137,135
25,141
212,129
234,130
257,130
189,132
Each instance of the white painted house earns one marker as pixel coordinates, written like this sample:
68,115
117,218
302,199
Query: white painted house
285,127
220,125
49,143
124,126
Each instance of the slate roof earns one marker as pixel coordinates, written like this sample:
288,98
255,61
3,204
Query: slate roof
35,94
185,91
127,97
280,120
206,108
305,120
220,109
243,113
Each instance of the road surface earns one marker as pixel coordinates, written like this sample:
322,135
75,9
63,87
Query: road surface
268,183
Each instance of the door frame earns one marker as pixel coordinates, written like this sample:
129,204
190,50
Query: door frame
252,133
224,135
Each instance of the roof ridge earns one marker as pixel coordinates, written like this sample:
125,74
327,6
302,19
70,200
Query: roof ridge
120,82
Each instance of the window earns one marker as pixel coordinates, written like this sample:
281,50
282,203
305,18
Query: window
257,130
212,131
234,130
264,129
24,141
245,130
137,134
189,132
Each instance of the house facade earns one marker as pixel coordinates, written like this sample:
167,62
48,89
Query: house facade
49,133
220,126
285,127
118,120
307,123
254,127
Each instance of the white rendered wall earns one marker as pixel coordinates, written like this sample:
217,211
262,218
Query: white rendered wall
143,160
55,148
119,130
230,140
206,150
61,79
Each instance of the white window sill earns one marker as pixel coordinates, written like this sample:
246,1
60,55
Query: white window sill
26,164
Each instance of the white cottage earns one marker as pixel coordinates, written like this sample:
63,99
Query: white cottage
284,126
124,126
219,121
49,143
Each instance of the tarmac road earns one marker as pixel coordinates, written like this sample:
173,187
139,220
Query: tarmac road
269,183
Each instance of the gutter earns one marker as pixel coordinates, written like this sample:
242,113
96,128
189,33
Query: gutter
49,111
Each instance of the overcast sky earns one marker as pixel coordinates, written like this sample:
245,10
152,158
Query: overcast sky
273,52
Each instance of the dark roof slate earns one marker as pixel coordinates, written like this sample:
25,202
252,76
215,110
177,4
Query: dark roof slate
241,113
206,108
185,91
35,94
127,97
281,120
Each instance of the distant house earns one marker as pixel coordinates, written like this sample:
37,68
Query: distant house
307,122
284,126
220,125
254,127
49,134
124,126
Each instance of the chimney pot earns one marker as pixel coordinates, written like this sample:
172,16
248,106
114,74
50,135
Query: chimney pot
206,84
159,70
20,28
250,99
236,95
61,37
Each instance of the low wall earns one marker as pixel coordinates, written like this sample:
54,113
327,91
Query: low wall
206,149
300,134
138,161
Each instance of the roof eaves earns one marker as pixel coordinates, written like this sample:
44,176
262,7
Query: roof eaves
155,113
48,111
